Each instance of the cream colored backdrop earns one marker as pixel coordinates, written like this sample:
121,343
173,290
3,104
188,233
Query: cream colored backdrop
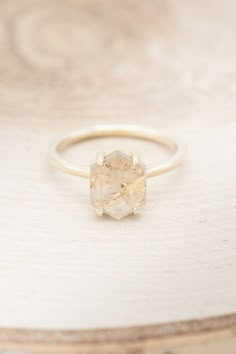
70,64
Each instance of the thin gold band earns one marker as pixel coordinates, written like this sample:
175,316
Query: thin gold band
122,131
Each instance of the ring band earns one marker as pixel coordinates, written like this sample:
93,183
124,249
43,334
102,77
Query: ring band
117,131
117,180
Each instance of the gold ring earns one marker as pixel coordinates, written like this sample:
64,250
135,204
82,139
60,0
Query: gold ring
117,180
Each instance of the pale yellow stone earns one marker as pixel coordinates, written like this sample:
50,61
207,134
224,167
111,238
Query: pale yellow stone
118,186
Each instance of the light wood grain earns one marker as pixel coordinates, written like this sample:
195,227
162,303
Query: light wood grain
67,65
209,336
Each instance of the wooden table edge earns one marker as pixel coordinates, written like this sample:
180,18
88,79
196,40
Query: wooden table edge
73,341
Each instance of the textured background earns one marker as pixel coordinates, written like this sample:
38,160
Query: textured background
69,64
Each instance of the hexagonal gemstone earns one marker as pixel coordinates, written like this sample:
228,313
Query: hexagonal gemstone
118,187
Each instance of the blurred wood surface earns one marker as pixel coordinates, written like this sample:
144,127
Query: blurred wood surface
165,64
208,336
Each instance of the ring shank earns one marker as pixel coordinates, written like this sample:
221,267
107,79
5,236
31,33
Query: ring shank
119,131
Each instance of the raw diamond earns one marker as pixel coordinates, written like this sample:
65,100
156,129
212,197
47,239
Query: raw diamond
118,187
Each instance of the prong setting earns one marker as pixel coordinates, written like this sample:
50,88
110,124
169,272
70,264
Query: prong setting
99,212
118,187
136,211
135,158
100,158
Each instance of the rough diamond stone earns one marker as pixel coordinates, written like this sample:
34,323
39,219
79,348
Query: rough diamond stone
118,186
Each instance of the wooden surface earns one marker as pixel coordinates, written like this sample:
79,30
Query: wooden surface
66,65
208,336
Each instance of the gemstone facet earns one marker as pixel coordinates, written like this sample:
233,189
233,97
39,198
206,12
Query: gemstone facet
118,185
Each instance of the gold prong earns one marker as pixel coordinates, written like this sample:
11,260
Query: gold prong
99,212
100,158
136,211
135,158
